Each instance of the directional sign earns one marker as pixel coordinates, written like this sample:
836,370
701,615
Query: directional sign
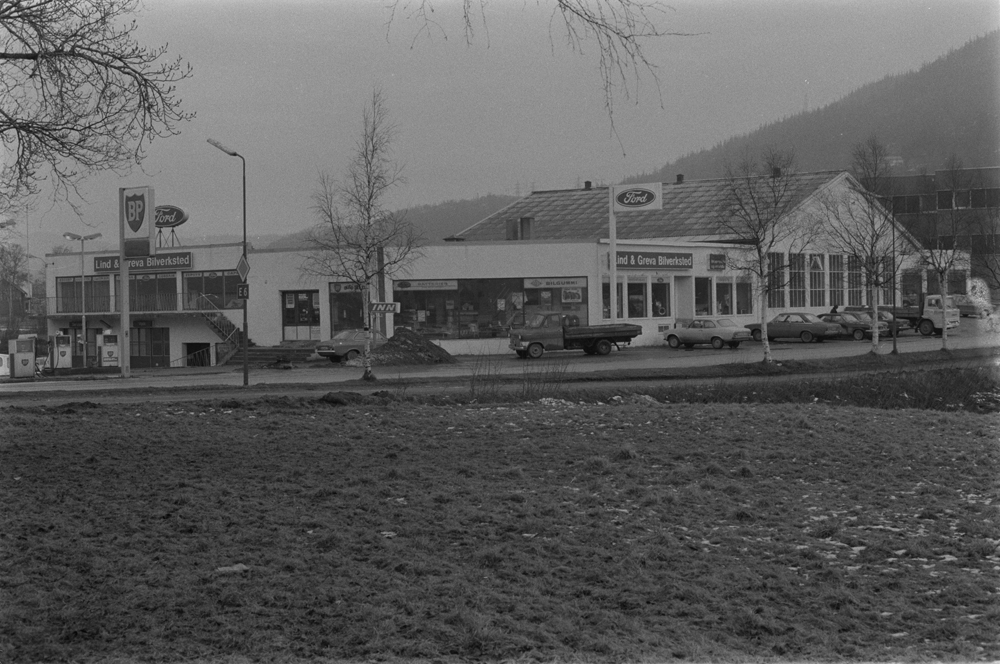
384,307
243,291
243,268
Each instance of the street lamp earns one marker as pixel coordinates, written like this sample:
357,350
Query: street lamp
233,153
83,288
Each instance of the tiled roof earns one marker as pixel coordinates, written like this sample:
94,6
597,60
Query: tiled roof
691,211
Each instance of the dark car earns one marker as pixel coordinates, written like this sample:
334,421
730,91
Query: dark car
895,325
854,325
796,325
348,344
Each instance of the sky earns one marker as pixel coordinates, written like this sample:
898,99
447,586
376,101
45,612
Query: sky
284,83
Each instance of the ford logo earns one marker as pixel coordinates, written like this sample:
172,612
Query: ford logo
635,197
170,216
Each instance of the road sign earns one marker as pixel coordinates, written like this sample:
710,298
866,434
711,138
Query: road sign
243,291
243,268
384,307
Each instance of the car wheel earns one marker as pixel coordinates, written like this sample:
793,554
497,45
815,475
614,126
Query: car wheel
734,344
926,328
603,347
334,359
756,335
350,355
859,335
717,343
535,351
673,341
806,336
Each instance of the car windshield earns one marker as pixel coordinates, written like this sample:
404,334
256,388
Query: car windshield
347,335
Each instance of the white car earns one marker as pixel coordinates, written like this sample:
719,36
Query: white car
716,331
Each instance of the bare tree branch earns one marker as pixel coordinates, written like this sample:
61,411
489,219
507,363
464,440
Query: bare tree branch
79,93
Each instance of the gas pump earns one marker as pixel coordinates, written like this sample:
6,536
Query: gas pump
60,352
22,358
4,365
107,349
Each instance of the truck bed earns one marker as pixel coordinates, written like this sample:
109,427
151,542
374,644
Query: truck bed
613,332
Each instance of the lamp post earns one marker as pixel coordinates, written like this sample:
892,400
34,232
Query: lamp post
232,153
83,288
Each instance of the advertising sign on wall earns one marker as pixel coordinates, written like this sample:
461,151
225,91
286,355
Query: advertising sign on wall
654,260
177,261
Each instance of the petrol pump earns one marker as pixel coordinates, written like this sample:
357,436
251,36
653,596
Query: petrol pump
107,349
22,357
60,352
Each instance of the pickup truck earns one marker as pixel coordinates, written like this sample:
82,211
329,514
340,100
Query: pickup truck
555,331
926,314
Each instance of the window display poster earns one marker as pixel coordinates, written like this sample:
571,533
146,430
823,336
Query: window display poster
572,295
546,298
501,304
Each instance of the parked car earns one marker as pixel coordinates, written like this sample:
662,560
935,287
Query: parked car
896,325
348,344
796,325
716,331
971,306
853,325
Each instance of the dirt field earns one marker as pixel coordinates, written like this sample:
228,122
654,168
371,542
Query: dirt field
627,529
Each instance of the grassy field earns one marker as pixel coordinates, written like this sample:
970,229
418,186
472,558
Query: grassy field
701,524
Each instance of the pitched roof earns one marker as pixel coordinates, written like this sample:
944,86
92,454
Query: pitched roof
691,212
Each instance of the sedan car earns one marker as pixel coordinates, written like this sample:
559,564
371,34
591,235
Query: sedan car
348,344
853,325
895,325
716,331
796,325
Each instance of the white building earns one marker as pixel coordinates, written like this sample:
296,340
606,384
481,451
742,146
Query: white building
546,252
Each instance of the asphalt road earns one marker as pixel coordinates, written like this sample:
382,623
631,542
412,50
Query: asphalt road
572,366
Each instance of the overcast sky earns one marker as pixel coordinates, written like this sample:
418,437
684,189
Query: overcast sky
284,82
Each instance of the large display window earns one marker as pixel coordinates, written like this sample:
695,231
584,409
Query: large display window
483,308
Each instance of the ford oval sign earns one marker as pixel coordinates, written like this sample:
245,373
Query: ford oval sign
169,216
635,197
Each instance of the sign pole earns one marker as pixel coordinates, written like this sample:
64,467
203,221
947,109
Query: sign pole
612,255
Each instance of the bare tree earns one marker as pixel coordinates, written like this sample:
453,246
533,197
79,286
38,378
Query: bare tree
859,223
757,214
617,27
13,275
942,237
79,93
358,240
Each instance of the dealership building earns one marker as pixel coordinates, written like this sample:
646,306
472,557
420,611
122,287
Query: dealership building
549,251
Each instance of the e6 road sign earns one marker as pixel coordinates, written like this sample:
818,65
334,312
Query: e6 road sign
243,291
384,307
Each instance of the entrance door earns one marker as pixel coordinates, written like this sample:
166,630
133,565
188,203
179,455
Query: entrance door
300,315
150,347
684,292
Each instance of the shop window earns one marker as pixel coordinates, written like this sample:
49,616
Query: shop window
797,280
211,290
702,296
945,200
837,280
724,299
776,281
817,281
661,300
481,308
346,308
637,300
606,300
69,294
744,298
854,281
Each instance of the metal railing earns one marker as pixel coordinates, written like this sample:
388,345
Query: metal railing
98,304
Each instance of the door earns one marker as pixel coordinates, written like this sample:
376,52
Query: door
300,315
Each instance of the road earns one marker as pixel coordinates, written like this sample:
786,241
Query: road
323,376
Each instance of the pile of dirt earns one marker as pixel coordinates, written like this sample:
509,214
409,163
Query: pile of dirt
407,347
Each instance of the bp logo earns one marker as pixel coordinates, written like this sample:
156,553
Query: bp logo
135,211
635,197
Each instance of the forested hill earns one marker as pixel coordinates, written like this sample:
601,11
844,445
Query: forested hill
949,106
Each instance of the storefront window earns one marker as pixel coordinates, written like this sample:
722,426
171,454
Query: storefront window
837,280
724,298
797,280
69,293
346,308
776,281
484,308
702,296
606,301
637,300
211,290
744,298
817,281
661,300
